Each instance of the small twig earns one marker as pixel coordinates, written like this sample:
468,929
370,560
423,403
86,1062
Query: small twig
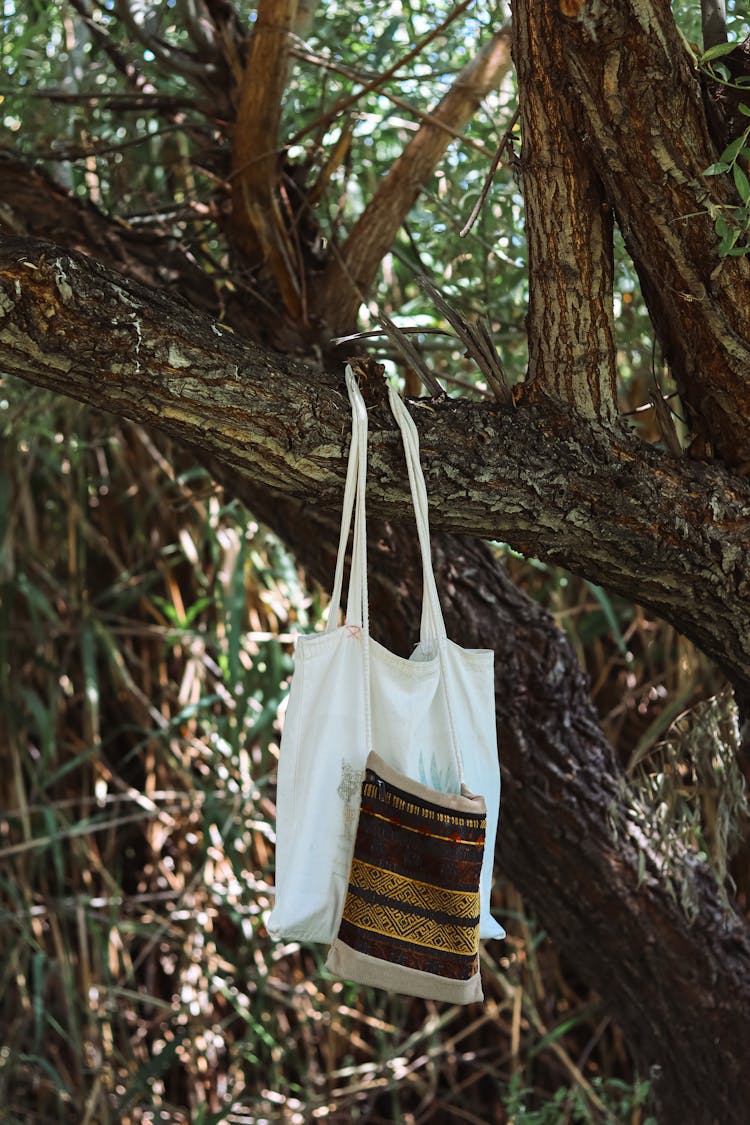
375,332
337,109
647,406
451,380
402,103
490,176
176,59
477,339
663,415
83,152
411,355
123,101
101,36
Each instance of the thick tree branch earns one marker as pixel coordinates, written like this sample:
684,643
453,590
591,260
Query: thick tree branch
644,125
352,271
568,230
33,204
671,534
258,226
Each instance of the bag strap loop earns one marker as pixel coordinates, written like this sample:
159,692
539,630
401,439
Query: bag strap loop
432,633
432,628
357,611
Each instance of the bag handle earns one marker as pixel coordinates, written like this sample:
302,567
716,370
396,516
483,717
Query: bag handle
432,633
357,609
432,627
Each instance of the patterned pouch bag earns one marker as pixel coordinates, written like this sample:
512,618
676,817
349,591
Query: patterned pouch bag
410,922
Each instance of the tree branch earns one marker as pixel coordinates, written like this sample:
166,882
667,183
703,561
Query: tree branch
568,230
643,118
670,534
258,226
352,271
339,108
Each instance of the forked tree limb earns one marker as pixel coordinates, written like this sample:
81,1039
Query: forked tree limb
670,534
352,271
643,125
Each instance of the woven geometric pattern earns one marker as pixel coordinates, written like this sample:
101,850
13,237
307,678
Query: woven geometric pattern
381,917
433,900
413,896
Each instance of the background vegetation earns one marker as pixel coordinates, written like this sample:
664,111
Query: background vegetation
146,638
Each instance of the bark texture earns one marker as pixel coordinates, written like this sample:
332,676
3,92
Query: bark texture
643,124
569,234
670,534
681,992
260,229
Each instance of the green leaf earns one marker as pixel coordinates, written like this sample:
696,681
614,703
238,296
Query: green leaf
716,169
741,183
744,109
610,615
730,153
728,241
717,51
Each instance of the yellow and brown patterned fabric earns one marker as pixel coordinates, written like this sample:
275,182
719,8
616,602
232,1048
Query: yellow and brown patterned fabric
410,920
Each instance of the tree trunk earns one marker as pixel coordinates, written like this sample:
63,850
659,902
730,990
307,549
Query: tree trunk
641,116
569,234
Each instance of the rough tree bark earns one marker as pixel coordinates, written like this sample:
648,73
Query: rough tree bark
569,234
260,230
637,99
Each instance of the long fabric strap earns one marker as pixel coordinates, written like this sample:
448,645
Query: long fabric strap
357,610
433,636
432,628
432,624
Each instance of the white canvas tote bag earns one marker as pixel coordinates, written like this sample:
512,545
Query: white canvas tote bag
431,717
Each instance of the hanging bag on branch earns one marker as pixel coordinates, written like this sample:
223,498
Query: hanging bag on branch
430,718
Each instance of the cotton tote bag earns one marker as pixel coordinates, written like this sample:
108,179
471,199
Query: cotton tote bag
430,717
